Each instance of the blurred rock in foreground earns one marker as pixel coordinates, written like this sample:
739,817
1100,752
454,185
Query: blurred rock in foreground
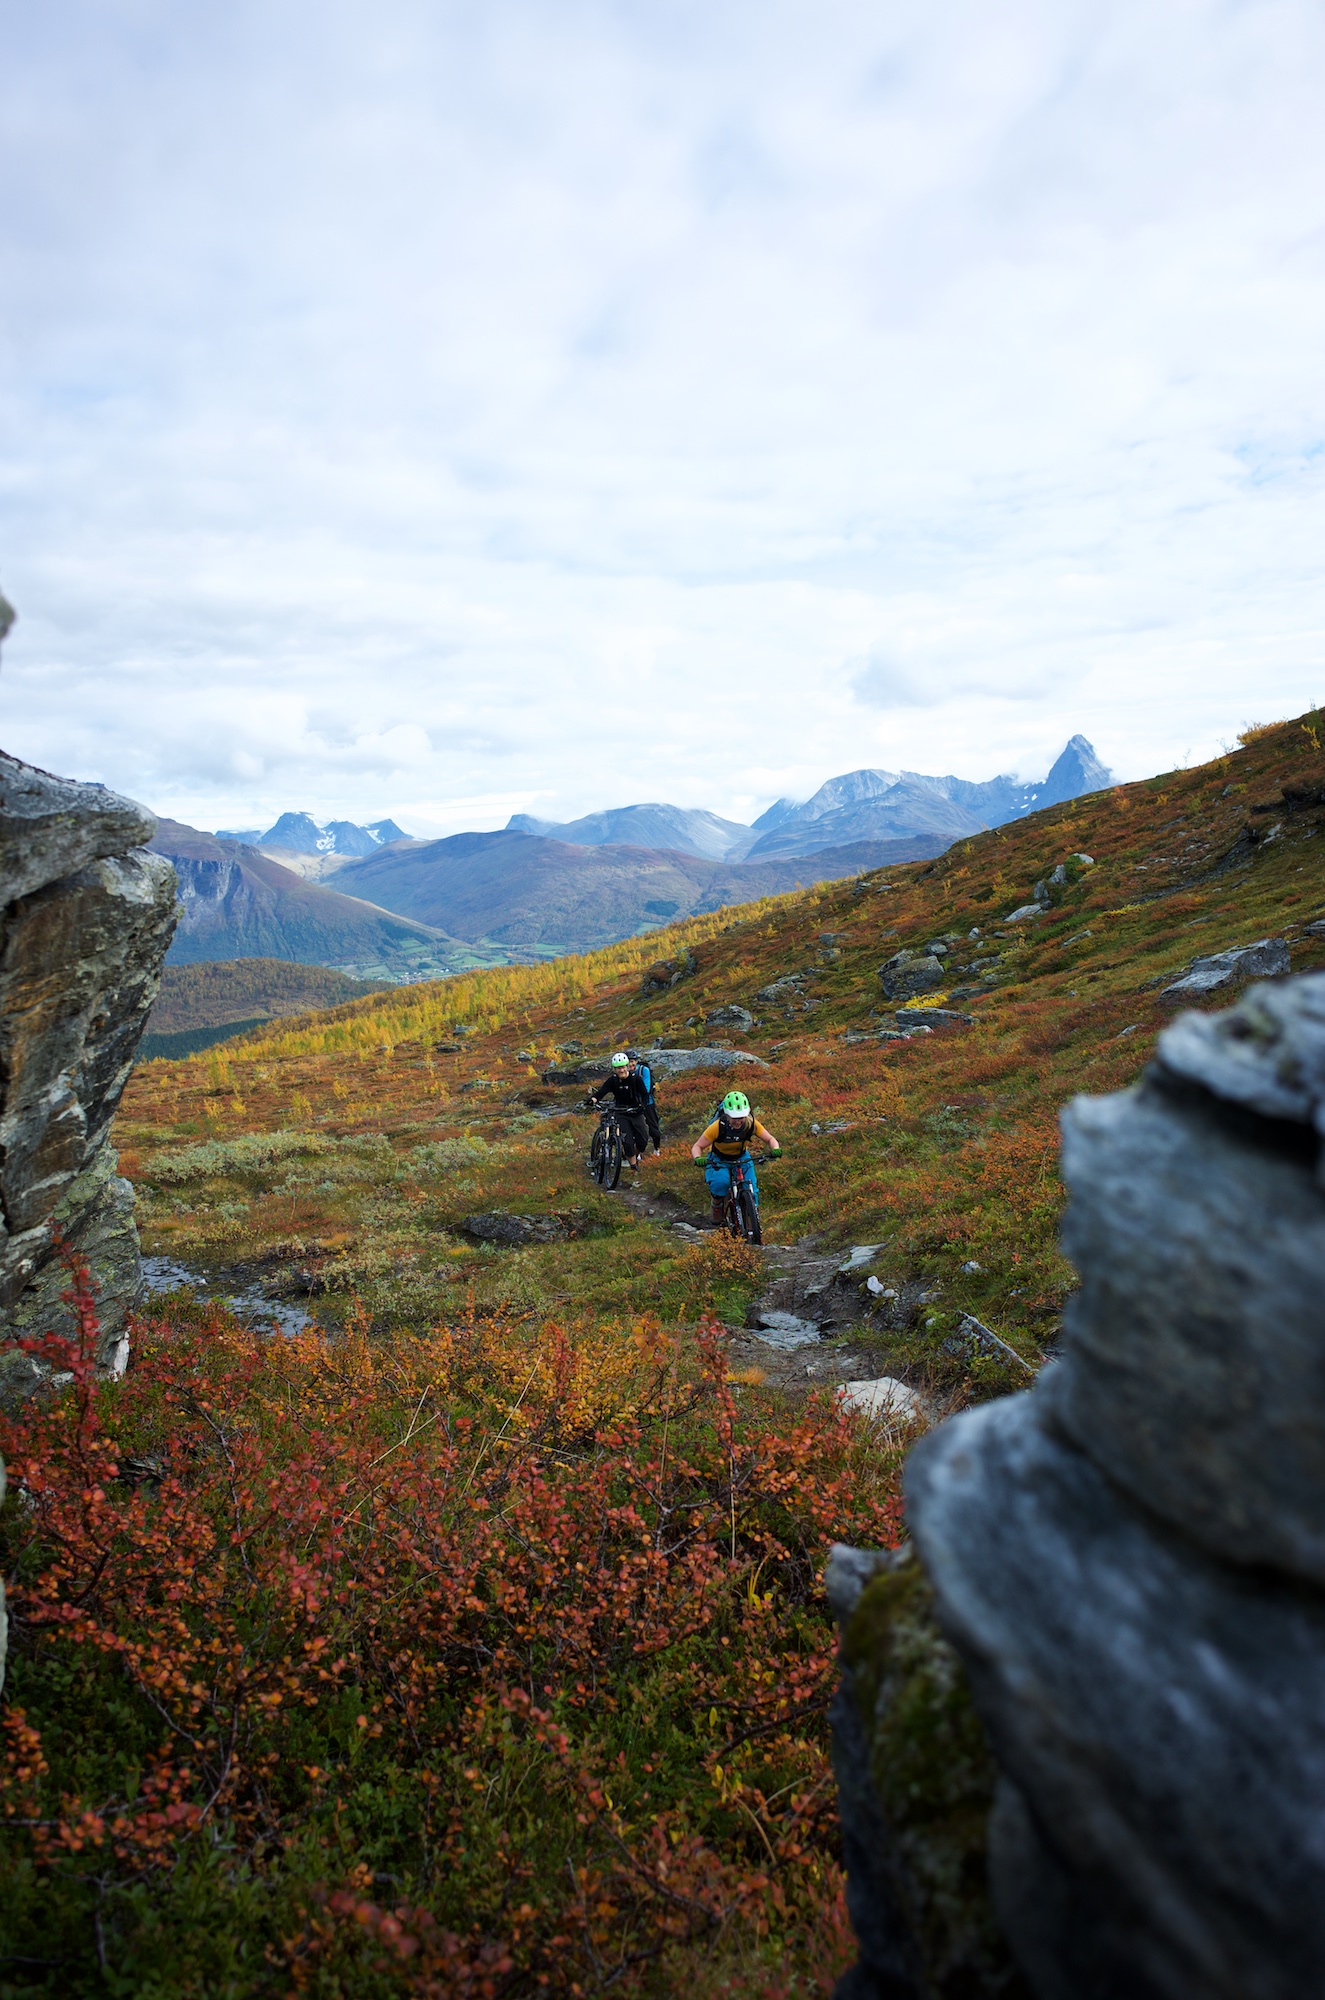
1129,1562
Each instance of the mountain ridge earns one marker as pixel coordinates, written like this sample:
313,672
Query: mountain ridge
236,902
301,833
517,889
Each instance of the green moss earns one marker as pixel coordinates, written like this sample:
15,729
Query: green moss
934,1776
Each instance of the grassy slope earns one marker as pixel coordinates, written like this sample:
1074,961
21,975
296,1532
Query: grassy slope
945,1146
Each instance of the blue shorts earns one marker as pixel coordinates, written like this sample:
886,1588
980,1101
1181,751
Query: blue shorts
718,1174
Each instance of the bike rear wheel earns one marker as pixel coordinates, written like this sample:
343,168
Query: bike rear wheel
612,1156
749,1209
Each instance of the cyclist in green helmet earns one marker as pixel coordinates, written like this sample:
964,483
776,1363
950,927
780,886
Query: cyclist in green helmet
726,1141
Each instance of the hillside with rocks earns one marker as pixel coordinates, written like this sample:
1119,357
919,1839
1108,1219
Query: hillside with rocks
486,1606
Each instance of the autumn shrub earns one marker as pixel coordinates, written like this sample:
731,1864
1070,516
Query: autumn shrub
217,1157
487,1662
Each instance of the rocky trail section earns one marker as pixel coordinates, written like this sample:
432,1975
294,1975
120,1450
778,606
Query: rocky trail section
821,1317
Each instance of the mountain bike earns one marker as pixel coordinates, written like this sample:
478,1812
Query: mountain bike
606,1151
740,1210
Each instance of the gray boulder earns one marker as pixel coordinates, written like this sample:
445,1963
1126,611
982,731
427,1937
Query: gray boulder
931,1017
1266,959
514,1231
1130,1558
1156,1714
1267,1054
86,915
1194,1372
668,972
907,973
676,1062
784,991
730,1016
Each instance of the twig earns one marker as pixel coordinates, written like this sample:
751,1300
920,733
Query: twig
982,1332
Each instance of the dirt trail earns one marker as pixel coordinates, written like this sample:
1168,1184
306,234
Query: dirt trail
810,1321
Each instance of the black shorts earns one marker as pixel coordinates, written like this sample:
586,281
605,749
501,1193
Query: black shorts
634,1132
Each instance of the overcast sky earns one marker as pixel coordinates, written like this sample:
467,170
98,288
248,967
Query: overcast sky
455,409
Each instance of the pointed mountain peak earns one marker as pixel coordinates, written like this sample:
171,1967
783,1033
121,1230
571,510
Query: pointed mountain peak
1076,770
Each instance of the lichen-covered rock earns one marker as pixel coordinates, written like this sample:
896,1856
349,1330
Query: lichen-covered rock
668,972
1266,959
1157,1711
785,990
1130,1558
729,1016
514,1231
1267,1054
915,1786
50,827
907,973
86,915
1194,1370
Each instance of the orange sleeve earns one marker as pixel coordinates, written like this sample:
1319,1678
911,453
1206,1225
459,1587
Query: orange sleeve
709,1134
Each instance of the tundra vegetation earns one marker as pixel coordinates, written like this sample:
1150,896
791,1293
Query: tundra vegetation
472,1641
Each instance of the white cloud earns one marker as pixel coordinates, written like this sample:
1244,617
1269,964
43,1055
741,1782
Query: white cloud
525,408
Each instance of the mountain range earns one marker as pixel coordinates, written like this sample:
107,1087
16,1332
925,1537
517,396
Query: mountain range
532,894
687,830
860,805
300,833
881,805
405,909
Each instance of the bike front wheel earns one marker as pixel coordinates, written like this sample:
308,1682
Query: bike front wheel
596,1157
749,1211
611,1173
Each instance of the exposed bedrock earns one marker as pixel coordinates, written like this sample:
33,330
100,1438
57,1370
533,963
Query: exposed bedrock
1129,1559
86,915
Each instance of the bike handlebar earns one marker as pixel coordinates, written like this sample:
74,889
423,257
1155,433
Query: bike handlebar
755,1159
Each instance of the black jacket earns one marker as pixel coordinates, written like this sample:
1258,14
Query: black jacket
628,1089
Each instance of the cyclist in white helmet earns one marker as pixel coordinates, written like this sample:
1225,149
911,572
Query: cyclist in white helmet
725,1142
631,1095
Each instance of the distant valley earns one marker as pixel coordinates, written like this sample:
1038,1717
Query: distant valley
199,1005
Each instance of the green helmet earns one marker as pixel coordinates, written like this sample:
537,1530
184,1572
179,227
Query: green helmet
620,1061
736,1104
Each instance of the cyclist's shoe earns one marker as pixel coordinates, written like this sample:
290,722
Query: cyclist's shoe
717,1212
633,1165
